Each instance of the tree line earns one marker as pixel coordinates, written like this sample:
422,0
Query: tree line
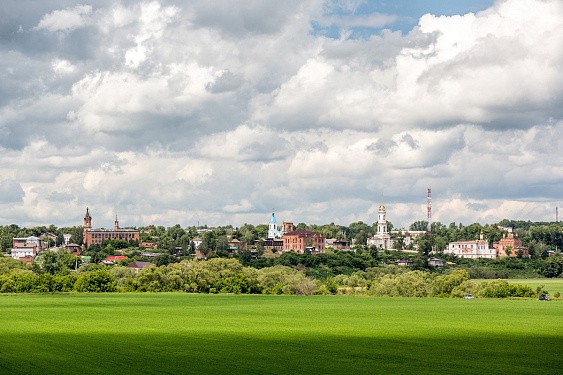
539,237
221,275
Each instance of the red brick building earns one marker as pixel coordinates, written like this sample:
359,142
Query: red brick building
510,245
97,236
301,241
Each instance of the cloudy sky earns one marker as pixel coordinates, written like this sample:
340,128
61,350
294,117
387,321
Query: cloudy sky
215,112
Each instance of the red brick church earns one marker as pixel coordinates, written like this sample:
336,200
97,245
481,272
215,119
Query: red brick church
97,236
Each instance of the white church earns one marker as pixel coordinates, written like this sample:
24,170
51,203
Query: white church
382,238
273,231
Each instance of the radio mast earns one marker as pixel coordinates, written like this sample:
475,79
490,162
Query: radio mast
429,208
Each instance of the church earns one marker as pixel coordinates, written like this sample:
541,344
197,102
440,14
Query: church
382,238
274,240
92,236
273,231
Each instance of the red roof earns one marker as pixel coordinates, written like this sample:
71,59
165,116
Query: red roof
116,258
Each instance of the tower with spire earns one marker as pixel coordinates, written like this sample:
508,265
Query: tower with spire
87,220
273,231
382,238
381,221
87,223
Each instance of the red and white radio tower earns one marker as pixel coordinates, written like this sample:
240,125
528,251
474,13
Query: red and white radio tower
429,205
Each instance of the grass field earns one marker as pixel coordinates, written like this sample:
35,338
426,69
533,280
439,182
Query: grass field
551,285
245,334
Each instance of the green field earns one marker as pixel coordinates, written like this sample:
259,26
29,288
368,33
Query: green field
551,285
246,334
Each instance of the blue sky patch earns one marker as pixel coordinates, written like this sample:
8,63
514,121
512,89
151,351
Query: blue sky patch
361,19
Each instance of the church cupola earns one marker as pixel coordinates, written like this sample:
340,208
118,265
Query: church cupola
116,224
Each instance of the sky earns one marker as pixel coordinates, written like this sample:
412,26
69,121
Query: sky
218,112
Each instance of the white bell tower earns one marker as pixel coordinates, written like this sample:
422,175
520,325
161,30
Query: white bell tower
381,221
273,231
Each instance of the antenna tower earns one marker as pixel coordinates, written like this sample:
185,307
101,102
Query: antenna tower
429,208
556,214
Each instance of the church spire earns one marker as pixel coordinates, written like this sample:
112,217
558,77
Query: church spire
87,219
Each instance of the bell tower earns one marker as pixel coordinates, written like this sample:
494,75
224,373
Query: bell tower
381,221
273,227
87,227
87,220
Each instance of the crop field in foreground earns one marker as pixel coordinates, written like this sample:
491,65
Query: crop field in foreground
256,334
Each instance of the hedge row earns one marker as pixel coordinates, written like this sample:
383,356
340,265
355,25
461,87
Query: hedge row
229,276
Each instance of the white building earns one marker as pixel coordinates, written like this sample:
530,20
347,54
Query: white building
382,238
273,231
23,252
26,246
471,249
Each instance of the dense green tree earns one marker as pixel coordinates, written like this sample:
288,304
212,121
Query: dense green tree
8,264
419,225
96,281
75,232
552,267
354,229
55,263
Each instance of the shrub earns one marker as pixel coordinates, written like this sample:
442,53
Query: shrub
552,267
410,284
62,283
272,279
502,289
443,286
124,278
8,264
96,281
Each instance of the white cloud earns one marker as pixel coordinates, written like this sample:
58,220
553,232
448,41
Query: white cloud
244,206
66,19
62,66
196,173
152,23
216,112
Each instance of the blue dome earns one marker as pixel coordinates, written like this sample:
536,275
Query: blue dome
273,219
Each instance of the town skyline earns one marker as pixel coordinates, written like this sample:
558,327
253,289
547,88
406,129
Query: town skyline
107,222
213,112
